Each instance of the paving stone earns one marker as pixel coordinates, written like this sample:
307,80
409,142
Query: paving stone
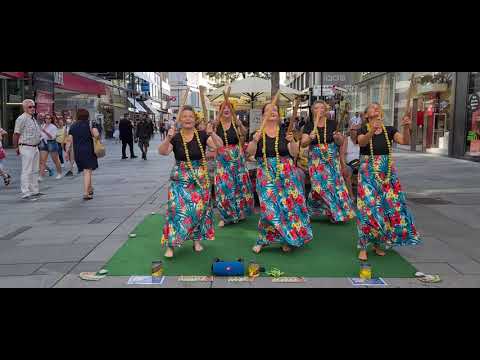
54,268
18,269
467,268
45,253
32,281
435,268
87,266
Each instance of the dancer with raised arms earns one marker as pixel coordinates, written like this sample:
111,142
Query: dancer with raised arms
383,217
284,218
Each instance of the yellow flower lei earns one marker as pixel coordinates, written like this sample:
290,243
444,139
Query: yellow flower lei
277,154
376,165
225,138
329,159
189,162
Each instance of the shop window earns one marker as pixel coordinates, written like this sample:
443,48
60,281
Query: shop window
473,116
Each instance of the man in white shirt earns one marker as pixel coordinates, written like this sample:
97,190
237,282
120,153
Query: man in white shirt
349,157
26,138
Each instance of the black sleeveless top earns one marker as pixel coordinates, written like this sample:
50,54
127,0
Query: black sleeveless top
331,127
379,144
192,146
270,149
231,135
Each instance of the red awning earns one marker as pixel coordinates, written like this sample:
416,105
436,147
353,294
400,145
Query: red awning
14,75
82,85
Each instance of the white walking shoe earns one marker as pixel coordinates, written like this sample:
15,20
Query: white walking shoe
59,176
40,178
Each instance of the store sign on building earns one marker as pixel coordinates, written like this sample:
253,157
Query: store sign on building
58,78
473,102
145,86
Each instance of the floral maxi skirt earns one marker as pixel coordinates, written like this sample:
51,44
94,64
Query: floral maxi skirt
329,195
284,218
383,218
189,213
233,188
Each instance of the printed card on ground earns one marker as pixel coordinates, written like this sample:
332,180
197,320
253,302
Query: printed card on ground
371,282
288,280
145,280
195,278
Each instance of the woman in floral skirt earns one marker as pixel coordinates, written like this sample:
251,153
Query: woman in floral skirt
284,218
329,195
383,218
233,188
189,211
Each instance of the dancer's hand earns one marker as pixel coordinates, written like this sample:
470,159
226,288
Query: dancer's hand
256,136
290,137
209,129
406,121
171,133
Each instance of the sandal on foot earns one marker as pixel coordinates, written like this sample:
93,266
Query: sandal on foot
257,249
195,249
87,197
363,258
379,252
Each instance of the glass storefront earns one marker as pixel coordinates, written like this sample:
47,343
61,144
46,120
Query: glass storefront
431,98
373,87
11,97
473,116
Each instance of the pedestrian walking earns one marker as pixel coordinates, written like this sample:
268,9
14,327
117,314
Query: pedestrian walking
69,154
61,135
26,138
116,132
162,130
329,194
81,136
3,173
126,135
189,210
48,145
284,218
143,134
383,219
233,188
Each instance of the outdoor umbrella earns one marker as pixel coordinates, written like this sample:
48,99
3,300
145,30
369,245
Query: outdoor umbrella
251,90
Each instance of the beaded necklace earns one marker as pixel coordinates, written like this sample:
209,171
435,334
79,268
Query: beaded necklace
225,137
377,165
277,153
329,158
189,162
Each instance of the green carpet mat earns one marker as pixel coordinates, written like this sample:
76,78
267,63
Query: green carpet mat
332,252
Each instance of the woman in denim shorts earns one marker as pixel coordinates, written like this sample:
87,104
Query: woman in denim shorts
49,145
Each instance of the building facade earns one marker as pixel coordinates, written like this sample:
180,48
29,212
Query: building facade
106,96
443,105
181,82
